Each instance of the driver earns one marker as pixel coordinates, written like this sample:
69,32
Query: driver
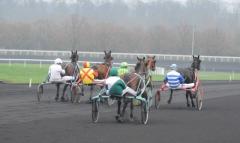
116,86
56,72
175,80
123,69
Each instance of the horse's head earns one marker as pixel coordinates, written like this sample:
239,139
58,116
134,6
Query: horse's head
74,56
108,57
141,66
151,63
196,62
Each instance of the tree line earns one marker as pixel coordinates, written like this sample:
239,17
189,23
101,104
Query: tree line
163,27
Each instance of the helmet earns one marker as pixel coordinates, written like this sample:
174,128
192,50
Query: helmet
173,66
86,64
124,65
113,72
58,61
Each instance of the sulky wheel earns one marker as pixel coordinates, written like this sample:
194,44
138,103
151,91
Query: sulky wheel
144,112
39,92
95,111
157,99
199,98
150,96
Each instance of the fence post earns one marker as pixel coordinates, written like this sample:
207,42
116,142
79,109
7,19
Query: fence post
9,63
24,63
233,75
40,64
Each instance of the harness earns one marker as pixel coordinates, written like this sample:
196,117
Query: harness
146,79
75,70
109,67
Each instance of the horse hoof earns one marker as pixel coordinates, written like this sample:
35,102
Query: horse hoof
119,119
131,119
56,98
63,99
88,101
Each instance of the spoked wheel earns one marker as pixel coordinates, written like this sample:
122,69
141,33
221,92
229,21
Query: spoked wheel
150,96
157,99
95,111
144,112
199,99
39,92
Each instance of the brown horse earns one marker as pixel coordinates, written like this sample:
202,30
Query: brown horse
101,70
71,69
151,66
133,80
189,76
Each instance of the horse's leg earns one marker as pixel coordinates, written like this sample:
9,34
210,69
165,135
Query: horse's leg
187,94
91,92
170,97
118,109
83,87
131,110
191,97
123,111
57,94
63,94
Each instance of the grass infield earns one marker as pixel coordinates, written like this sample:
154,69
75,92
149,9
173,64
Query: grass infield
23,73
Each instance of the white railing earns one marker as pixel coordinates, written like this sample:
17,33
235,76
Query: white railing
118,55
158,71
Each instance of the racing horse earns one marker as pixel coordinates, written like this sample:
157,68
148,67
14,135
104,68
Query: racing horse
133,80
101,70
151,66
71,69
189,75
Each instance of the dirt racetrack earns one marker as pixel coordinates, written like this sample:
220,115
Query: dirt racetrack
23,120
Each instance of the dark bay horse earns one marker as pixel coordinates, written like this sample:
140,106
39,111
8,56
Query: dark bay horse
189,75
134,81
71,69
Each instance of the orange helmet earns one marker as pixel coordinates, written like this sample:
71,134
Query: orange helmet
86,64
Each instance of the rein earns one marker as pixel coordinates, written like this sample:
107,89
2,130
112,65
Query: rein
141,79
107,72
76,69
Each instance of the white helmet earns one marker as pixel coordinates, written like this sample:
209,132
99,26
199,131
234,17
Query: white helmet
58,61
173,66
